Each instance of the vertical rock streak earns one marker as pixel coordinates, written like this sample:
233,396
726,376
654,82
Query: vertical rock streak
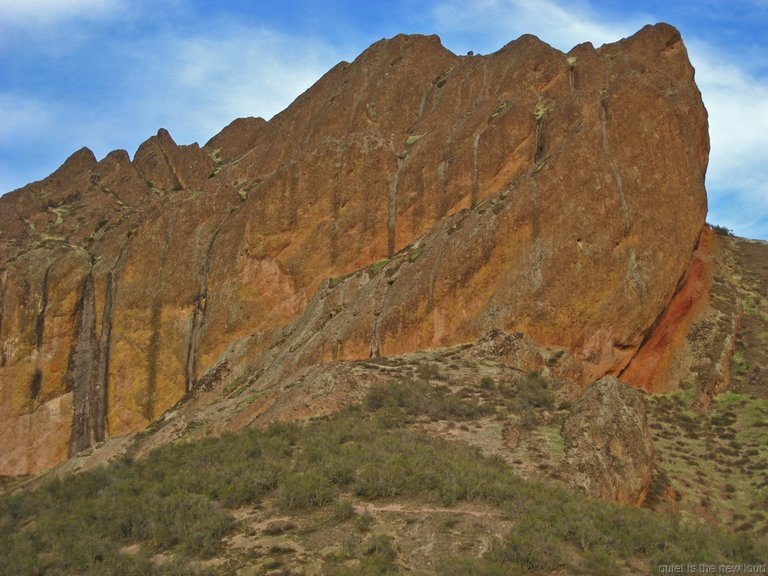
40,322
153,355
336,203
81,371
99,401
37,378
198,314
392,211
3,283
101,388
475,184
441,206
537,256
612,163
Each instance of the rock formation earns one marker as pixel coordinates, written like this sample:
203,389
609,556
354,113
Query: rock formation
411,199
608,448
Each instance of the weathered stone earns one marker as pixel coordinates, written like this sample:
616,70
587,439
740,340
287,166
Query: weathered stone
167,167
608,448
237,139
514,191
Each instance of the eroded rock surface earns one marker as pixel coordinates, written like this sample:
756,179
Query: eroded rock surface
444,196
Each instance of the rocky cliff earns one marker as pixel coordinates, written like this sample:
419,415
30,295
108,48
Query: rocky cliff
408,200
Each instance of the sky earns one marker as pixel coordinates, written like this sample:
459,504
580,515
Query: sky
107,74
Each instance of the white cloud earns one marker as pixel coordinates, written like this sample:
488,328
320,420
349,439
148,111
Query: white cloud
22,116
192,80
737,103
36,136
24,13
560,26
738,108
195,85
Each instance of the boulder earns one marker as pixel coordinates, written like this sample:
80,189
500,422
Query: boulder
608,448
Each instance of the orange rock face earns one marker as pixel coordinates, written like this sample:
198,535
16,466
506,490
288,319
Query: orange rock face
560,195
651,367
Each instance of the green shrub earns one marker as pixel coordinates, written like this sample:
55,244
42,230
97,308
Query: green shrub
599,562
364,521
378,266
429,371
540,109
305,490
175,500
408,399
721,230
344,510
278,527
532,544
464,565
381,546
487,383
534,390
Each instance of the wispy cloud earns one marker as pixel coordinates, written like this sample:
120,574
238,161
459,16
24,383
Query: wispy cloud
737,102
22,116
25,129
195,84
559,24
192,79
24,13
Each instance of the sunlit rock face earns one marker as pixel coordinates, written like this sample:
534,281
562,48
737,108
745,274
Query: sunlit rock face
560,195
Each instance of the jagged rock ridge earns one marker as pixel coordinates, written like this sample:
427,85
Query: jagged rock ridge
560,195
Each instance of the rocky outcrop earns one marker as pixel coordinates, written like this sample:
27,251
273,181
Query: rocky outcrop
608,448
411,199
166,166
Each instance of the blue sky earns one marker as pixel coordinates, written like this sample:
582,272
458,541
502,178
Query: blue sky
108,73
